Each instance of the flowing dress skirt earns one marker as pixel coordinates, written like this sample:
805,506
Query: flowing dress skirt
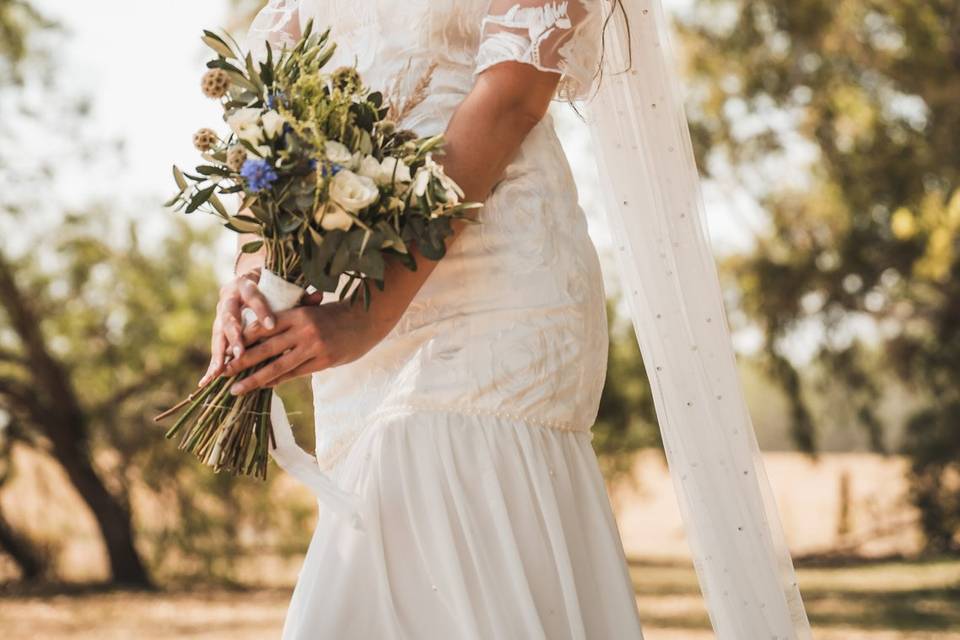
477,527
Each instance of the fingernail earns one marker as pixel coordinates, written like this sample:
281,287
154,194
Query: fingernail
268,322
235,389
236,352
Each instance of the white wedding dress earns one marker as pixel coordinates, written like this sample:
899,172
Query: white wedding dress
466,431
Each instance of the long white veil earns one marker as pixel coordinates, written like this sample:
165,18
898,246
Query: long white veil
654,207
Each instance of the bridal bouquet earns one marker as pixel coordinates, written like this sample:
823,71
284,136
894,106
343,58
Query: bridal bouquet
330,186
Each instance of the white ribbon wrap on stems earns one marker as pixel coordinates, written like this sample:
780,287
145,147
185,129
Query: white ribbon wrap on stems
282,295
655,209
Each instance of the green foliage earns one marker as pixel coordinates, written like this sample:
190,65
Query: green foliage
18,19
127,323
870,237
626,420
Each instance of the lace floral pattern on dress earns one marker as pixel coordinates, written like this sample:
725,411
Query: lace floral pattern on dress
560,37
277,23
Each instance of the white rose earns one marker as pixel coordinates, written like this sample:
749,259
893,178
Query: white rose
370,168
393,169
356,159
337,152
272,123
245,123
333,217
353,192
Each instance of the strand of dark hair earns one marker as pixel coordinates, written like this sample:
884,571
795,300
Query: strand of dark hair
616,5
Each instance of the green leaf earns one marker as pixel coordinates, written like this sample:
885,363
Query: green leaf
266,70
212,170
179,179
220,63
313,264
340,260
252,247
252,73
174,200
219,46
372,264
214,202
199,198
240,80
430,143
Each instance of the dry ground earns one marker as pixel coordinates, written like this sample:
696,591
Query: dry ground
877,601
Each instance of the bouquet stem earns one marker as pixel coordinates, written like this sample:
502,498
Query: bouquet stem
227,432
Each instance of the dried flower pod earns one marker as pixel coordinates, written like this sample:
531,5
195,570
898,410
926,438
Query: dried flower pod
215,83
405,135
205,139
236,156
387,127
346,78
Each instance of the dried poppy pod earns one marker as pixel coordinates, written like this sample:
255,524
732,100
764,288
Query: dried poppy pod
215,83
236,156
205,139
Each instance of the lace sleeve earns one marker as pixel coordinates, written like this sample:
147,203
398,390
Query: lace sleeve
560,37
277,23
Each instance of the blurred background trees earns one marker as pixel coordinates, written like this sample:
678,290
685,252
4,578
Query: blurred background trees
100,328
857,255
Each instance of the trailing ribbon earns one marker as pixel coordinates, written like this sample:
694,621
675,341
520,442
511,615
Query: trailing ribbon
282,295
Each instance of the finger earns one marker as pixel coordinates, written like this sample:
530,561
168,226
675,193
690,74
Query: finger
254,300
234,336
217,346
287,362
255,331
231,321
265,350
313,298
310,365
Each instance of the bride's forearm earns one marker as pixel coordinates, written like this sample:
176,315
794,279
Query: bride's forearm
482,137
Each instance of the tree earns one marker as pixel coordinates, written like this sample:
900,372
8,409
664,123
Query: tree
862,241
85,342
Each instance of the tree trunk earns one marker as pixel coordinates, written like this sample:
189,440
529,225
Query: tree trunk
113,519
28,559
55,409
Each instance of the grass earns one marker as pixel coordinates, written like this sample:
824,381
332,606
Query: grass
903,600
897,600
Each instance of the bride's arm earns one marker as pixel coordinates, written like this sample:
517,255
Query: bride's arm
482,137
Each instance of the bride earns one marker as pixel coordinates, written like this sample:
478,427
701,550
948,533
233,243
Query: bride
457,410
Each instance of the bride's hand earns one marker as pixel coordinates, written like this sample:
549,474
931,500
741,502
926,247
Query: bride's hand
227,336
310,338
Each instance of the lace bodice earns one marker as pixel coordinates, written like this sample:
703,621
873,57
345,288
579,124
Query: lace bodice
552,35
512,321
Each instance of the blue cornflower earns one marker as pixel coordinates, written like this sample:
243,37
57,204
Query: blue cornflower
258,174
274,98
334,169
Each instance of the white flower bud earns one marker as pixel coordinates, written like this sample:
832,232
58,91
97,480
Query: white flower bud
337,152
331,217
272,123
